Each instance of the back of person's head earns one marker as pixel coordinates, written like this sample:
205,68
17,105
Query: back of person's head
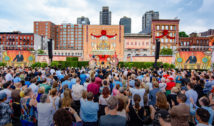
63,117
53,92
93,79
16,96
204,101
112,103
55,84
43,98
175,90
137,83
87,80
137,100
121,105
155,84
106,92
202,115
67,99
117,86
105,83
164,116
28,91
33,80
182,97
90,96
66,77
84,94
161,100
6,85
190,85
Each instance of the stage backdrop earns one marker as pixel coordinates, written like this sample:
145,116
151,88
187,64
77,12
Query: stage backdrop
18,58
192,60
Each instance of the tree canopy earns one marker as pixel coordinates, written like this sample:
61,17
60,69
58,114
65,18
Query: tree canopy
183,34
166,51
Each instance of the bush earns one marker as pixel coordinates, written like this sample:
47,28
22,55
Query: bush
55,64
43,65
2,64
37,64
83,64
144,65
71,59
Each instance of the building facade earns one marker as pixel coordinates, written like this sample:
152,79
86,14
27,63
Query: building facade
16,41
69,37
167,31
193,43
45,28
147,21
127,24
105,16
136,45
210,32
83,20
103,43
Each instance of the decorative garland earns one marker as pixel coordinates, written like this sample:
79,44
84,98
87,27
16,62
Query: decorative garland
103,33
165,33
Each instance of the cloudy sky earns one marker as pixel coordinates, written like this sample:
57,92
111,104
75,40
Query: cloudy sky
194,15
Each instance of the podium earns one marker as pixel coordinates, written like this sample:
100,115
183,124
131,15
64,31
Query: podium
18,64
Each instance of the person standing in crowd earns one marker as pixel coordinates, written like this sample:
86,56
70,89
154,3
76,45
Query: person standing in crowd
202,115
54,98
77,91
136,112
191,94
204,103
137,90
45,111
94,88
178,80
7,90
153,92
67,117
209,85
161,104
89,110
111,118
164,118
180,113
28,108
16,107
172,97
83,77
169,85
5,111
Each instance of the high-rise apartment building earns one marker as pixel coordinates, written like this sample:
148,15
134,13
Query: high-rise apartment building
105,16
127,24
69,37
45,28
147,21
83,20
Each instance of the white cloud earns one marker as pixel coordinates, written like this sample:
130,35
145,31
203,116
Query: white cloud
19,15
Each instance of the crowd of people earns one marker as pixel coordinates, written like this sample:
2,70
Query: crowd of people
105,97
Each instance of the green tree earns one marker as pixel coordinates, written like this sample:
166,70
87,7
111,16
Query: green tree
183,34
39,51
166,51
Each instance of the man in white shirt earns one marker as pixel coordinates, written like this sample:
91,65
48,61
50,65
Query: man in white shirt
9,76
77,90
139,91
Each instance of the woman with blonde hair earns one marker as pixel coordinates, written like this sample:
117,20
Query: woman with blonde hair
161,104
67,99
54,98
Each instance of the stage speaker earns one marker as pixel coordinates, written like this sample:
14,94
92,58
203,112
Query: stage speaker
50,50
157,49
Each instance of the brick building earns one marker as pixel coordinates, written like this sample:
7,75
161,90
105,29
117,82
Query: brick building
16,41
193,43
69,37
167,31
209,32
45,28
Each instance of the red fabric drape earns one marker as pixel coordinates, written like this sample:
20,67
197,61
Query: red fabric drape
165,33
103,33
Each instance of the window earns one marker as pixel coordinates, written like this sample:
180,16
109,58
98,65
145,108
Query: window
162,27
158,34
171,27
127,43
174,27
167,27
158,27
166,40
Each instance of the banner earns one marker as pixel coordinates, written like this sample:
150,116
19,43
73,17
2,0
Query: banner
192,60
18,58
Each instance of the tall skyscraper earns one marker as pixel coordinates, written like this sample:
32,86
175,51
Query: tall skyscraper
127,24
147,21
83,20
105,16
